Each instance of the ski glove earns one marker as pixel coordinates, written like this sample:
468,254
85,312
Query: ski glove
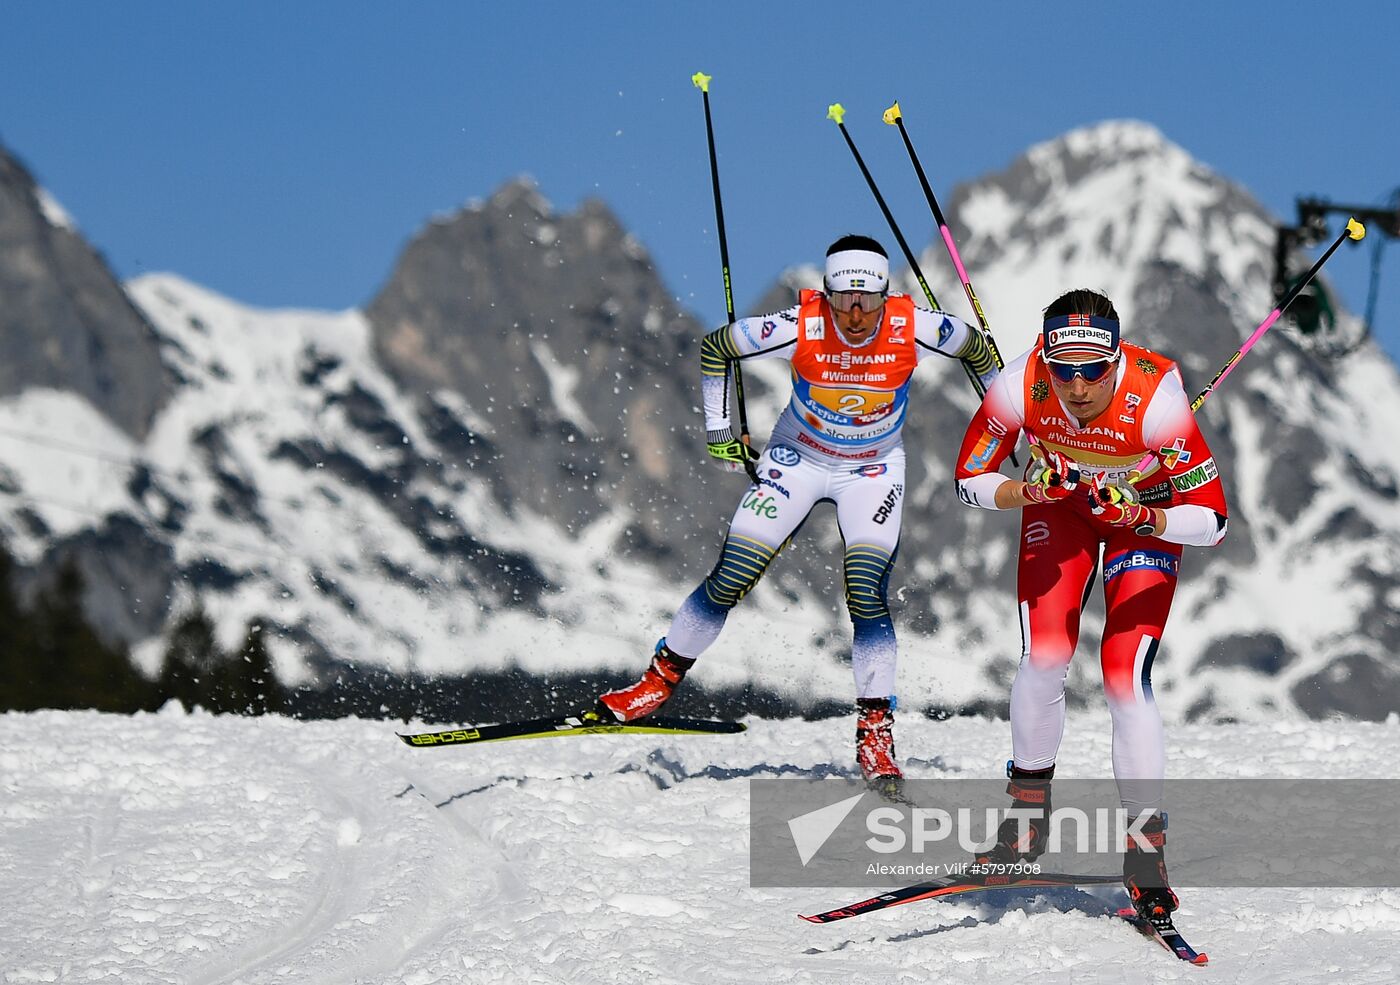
1116,502
729,451
1050,476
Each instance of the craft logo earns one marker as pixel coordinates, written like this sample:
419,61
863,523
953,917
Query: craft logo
887,507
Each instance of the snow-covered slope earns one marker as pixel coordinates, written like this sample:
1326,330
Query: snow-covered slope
195,850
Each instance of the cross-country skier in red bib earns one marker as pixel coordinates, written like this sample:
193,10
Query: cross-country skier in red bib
853,349
1119,464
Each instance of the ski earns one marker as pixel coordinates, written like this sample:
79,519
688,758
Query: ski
587,723
1166,934
940,888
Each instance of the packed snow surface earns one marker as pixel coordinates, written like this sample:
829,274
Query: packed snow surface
174,848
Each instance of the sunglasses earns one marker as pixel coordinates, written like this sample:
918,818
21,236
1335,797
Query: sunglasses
844,301
1092,372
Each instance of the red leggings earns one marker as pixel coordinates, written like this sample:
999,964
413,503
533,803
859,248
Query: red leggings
1059,557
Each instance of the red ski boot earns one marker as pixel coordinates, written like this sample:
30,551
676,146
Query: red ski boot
875,741
651,692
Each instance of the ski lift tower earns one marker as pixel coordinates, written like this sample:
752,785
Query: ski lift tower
1313,311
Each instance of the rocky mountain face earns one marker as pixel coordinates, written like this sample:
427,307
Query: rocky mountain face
560,335
498,466
65,321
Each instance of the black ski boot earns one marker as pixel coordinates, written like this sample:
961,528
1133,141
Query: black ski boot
1030,791
1145,875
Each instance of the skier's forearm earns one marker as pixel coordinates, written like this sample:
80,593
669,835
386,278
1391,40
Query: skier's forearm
714,392
991,491
716,350
1192,525
978,357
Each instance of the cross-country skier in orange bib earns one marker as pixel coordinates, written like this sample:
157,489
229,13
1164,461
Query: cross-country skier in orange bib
853,349
1117,462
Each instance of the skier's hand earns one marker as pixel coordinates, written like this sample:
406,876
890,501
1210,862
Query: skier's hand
731,453
1050,476
1117,503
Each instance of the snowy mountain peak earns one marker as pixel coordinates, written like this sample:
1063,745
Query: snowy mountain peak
1100,207
1109,140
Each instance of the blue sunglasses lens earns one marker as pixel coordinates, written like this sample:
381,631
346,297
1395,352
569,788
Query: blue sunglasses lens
1092,372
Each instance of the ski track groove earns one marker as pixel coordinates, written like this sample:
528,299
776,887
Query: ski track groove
327,910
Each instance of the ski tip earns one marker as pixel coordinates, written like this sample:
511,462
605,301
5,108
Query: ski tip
1200,959
803,916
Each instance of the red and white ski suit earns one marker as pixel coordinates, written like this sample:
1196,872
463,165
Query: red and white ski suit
1064,544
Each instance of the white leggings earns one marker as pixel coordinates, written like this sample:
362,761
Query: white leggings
869,500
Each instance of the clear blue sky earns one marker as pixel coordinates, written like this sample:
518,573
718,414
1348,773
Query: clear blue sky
283,153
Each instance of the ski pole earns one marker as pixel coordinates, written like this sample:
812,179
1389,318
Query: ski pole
1354,231
702,82
894,117
837,112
